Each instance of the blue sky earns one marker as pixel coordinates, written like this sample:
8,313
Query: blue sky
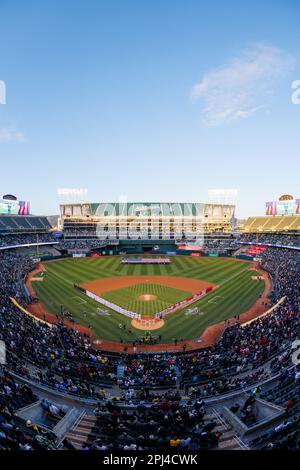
158,101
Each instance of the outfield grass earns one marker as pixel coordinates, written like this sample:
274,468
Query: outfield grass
235,294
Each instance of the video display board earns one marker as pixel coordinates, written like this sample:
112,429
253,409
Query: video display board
288,207
14,207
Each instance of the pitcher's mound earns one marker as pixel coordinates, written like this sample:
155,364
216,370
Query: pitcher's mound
147,297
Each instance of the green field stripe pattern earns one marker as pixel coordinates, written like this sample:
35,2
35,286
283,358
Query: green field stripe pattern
236,293
128,298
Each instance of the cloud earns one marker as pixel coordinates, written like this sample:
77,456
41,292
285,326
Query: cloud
241,87
11,135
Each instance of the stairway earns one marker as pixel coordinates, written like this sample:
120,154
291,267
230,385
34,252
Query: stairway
229,439
81,431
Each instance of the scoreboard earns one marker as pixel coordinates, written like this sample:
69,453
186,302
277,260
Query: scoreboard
14,207
286,205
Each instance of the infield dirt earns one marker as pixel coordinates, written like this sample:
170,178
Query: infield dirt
99,286
208,337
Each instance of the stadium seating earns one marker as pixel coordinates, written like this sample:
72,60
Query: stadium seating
272,224
10,223
164,425
272,238
63,362
9,240
15,434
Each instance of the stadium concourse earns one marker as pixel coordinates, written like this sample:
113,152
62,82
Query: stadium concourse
57,391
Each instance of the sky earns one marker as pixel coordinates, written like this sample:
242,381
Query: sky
154,101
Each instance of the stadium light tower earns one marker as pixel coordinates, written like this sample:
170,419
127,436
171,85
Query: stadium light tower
2,92
72,195
223,196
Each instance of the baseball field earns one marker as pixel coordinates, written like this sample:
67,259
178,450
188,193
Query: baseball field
147,289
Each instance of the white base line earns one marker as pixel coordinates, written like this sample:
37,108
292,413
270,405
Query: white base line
215,300
82,301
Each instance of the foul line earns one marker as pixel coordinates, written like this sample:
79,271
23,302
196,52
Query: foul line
234,275
267,312
28,313
215,300
80,301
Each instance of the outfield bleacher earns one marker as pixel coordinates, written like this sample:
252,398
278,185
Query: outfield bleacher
272,224
17,223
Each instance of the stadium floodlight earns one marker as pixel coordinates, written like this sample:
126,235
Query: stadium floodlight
72,195
2,92
223,196
2,353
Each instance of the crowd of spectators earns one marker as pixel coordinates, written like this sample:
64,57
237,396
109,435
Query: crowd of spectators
66,360
284,268
13,269
80,245
238,364
145,370
164,425
25,238
14,433
75,232
220,245
286,393
62,356
243,348
272,238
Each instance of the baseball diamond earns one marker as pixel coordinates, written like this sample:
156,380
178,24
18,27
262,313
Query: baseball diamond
123,284
150,258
